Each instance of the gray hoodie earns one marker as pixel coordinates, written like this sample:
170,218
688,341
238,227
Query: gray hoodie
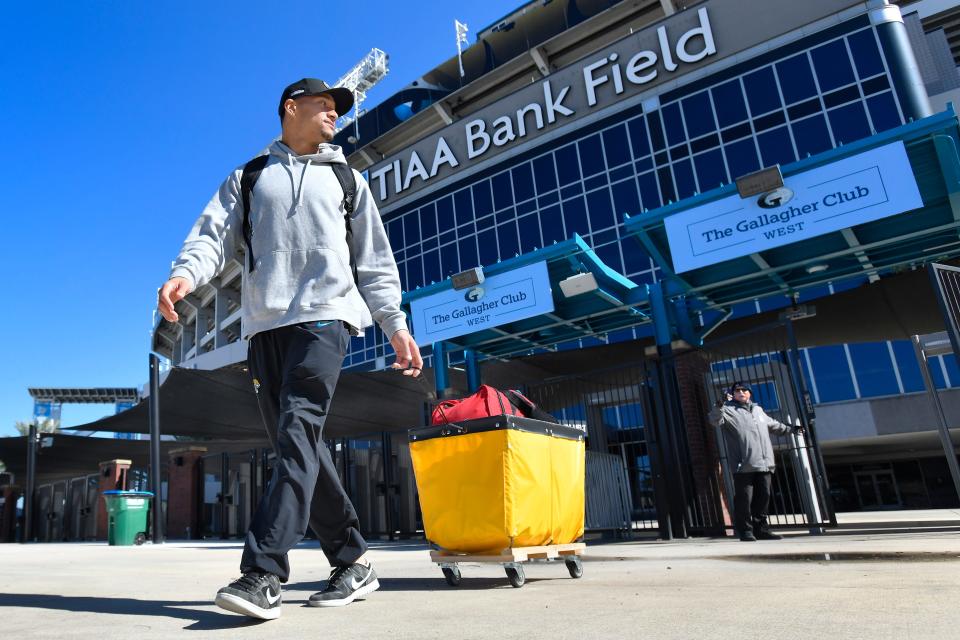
746,428
302,269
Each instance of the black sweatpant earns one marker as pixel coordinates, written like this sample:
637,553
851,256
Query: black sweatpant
752,501
295,371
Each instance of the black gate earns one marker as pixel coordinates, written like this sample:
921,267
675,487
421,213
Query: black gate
767,360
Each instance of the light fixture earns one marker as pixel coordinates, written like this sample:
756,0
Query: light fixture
578,283
467,279
817,268
758,182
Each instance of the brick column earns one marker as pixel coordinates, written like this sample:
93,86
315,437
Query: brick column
113,476
691,369
184,484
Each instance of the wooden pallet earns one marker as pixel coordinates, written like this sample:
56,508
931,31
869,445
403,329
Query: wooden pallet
512,555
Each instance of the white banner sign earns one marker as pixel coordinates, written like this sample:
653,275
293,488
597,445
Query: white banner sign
865,187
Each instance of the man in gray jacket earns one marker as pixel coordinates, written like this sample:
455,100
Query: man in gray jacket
301,301
746,433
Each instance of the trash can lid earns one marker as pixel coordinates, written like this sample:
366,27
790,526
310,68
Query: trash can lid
132,494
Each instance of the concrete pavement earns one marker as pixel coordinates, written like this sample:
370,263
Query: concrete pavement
892,585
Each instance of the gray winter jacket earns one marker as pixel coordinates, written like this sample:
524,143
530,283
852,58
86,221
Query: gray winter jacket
746,434
302,269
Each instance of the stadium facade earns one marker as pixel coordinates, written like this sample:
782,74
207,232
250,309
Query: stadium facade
600,141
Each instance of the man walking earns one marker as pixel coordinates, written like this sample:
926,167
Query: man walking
746,433
318,269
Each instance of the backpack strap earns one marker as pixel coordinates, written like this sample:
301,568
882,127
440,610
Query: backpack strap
251,171
348,182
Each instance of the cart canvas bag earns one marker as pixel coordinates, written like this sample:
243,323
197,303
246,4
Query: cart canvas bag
494,483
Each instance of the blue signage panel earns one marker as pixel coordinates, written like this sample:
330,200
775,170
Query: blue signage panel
506,297
862,188
46,410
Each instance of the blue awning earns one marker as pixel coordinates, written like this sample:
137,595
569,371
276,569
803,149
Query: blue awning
872,249
616,303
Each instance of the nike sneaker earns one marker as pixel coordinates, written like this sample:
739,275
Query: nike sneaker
345,585
255,594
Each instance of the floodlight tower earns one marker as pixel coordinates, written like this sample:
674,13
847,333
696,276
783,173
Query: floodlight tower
360,79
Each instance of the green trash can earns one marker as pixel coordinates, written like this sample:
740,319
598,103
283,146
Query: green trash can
127,516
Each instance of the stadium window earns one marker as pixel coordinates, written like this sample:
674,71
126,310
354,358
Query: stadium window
468,252
776,147
649,192
508,240
522,182
673,123
832,373
625,199
545,175
656,131
411,229
502,191
431,267
698,115
487,245
445,221
601,213
529,227
575,216
615,146
639,138
796,79
849,123
591,155
414,273
482,200
551,226
832,64
568,165
741,158
428,221
449,262
710,170
866,55
728,101
811,135
874,369
761,89
883,111
686,184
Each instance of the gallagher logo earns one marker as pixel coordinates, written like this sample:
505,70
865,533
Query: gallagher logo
775,198
474,294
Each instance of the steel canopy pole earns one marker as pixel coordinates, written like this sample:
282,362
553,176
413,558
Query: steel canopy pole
154,406
28,503
942,427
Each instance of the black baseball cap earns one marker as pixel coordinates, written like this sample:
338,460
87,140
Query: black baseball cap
342,98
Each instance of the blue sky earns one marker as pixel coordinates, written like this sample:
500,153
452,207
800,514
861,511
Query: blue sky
119,120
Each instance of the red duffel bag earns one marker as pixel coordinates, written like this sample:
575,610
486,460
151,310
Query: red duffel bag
486,402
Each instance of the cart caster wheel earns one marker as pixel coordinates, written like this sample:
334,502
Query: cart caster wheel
452,574
140,539
516,577
574,566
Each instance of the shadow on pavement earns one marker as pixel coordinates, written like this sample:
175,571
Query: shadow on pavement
424,584
202,620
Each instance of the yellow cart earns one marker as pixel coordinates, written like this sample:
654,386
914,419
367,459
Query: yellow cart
504,489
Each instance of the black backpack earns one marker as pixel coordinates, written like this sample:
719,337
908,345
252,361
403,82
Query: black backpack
348,182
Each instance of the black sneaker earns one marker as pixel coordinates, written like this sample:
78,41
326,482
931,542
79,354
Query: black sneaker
747,537
768,535
345,585
255,594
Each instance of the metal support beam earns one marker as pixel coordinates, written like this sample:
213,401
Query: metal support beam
441,368
31,489
541,60
861,256
443,111
662,331
942,427
154,407
473,370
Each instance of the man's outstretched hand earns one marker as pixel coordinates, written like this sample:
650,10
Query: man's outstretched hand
173,291
408,353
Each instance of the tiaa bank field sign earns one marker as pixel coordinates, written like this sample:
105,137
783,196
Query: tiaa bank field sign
506,297
865,187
